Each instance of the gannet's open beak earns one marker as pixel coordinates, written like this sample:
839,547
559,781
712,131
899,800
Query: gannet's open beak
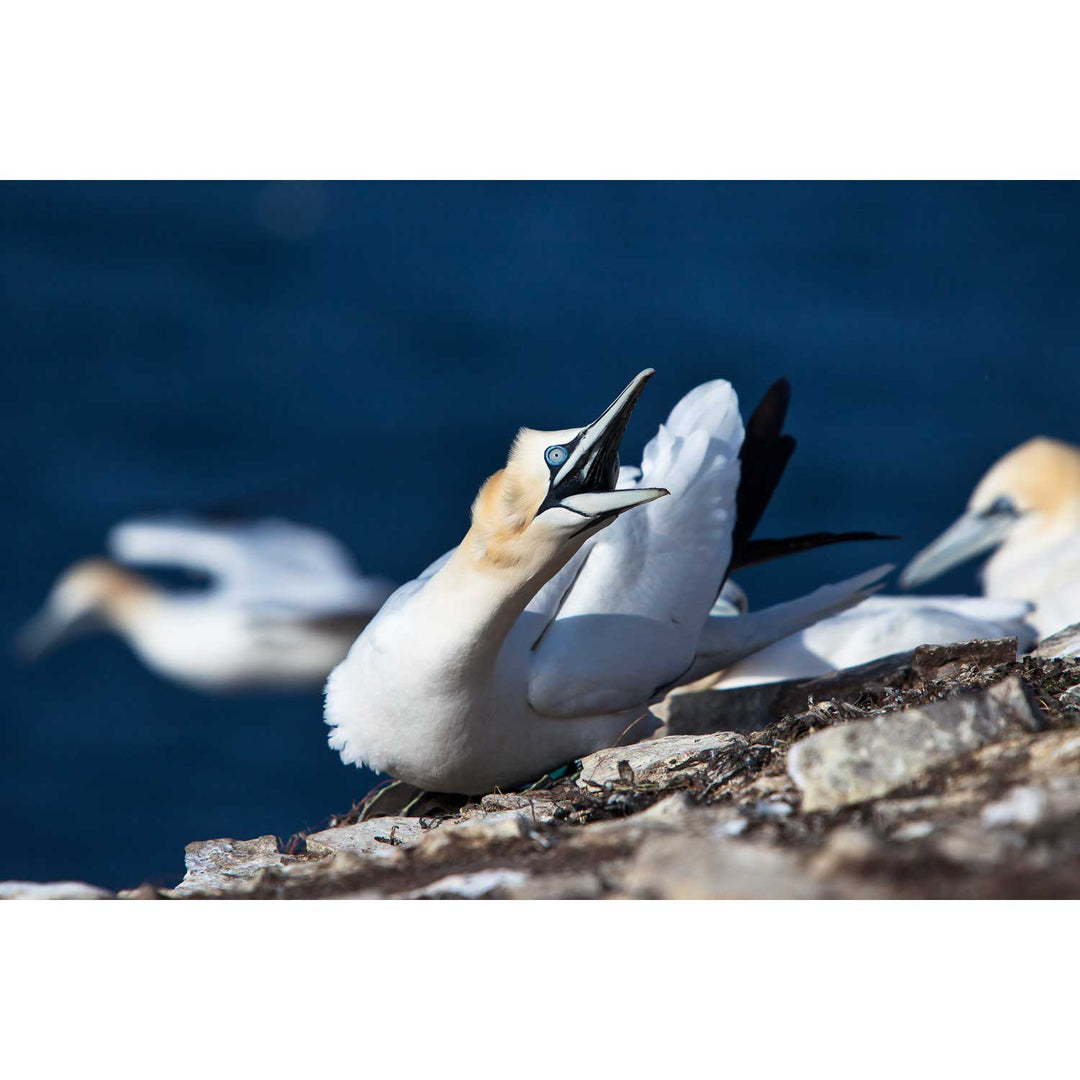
967,537
585,484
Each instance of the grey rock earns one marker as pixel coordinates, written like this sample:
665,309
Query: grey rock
670,812
585,885
971,846
143,892
484,831
751,708
863,760
222,864
540,805
1065,643
52,890
742,708
847,850
702,868
936,662
378,837
657,761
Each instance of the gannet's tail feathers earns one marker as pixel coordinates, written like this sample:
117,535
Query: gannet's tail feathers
752,552
764,456
727,639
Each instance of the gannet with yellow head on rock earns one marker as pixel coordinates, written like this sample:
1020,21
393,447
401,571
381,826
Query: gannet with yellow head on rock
580,595
1026,509
285,603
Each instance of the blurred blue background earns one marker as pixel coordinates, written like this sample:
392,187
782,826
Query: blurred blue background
359,356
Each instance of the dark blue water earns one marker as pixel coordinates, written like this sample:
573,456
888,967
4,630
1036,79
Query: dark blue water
360,356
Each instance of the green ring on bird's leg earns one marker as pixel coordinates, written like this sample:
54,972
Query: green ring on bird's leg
554,775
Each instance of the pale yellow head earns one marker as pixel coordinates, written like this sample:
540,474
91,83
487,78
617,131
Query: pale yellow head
558,488
92,593
1026,503
507,504
1040,477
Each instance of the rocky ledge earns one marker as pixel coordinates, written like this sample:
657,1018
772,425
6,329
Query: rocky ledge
952,771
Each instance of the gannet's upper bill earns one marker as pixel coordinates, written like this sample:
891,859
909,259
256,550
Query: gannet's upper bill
580,595
1027,507
286,602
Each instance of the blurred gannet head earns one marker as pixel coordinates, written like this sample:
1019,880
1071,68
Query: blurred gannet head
557,489
1030,495
92,594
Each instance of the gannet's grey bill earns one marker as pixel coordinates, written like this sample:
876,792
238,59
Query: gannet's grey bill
967,537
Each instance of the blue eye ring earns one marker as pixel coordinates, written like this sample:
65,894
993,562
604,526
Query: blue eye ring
555,455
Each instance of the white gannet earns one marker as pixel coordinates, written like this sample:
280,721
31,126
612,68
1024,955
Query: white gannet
550,629
1028,508
285,604
878,627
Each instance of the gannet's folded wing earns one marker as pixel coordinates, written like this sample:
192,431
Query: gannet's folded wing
630,618
727,639
881,626
267,562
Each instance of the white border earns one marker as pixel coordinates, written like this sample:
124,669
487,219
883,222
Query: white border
533,989
562,89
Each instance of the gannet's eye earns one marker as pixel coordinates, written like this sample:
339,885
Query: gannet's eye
555,455
1001,507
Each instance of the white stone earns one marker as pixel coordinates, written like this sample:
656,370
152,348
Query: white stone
657,761
469,886
224,863
52,890
914,830
379,837
1024,806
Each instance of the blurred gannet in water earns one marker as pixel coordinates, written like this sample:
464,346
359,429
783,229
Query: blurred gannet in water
1028,508
878,627
550,629
285,605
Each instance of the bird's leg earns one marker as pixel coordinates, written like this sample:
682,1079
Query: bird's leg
375,796
420,795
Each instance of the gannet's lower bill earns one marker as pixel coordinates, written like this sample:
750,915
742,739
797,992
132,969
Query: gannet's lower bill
571,604
1026,510
285,605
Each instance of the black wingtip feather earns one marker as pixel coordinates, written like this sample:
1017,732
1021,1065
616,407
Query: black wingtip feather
754,552
763,457
769,417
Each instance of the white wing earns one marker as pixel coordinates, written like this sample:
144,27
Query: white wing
878,627
269,562
632,605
